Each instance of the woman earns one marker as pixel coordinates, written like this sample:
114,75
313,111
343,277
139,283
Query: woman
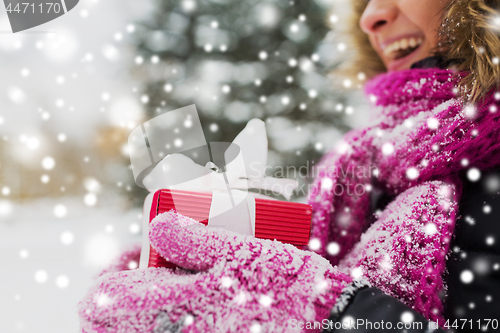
389,205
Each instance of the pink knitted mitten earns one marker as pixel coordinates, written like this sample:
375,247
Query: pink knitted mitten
228,283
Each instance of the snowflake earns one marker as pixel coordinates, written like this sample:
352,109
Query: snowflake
430,228
432,123
322,285
226,281
407,317
255,328
67,238
103,300
470,111
357,273
470,220
326,184
348,322
333,248
265,300
408,123
412,173
240,299
387,148
5,190
466,276
90,199
60,211
312,93
62,281
130,28
41,276
61,137
208,48
24,253
481,266
473,174
492,183
314,244
214,127
188,320
45,179
48,163
134,228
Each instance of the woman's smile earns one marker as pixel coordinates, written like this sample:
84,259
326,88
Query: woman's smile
400,52
402,32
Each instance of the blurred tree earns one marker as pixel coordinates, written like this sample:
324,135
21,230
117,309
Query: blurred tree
238,60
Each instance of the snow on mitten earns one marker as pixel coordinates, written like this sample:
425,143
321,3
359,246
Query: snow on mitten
128,259
404,252
228,283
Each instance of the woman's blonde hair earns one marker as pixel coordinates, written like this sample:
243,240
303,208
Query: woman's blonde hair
469,33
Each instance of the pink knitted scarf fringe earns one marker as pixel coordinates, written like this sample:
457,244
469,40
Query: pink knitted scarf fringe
421,138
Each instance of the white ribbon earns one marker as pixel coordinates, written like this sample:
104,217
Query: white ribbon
244,172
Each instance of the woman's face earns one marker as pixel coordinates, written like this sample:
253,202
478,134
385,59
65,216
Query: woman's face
402,31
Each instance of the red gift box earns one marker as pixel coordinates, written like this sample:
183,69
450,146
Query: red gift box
287,222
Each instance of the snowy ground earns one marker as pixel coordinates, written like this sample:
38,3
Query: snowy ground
48,263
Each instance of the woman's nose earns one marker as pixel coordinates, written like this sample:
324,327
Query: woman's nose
377,14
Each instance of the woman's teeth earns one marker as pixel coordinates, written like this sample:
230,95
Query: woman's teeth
402,47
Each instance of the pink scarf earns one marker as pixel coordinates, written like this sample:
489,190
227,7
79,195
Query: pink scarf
421,140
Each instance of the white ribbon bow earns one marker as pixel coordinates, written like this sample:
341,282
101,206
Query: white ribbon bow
245,171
